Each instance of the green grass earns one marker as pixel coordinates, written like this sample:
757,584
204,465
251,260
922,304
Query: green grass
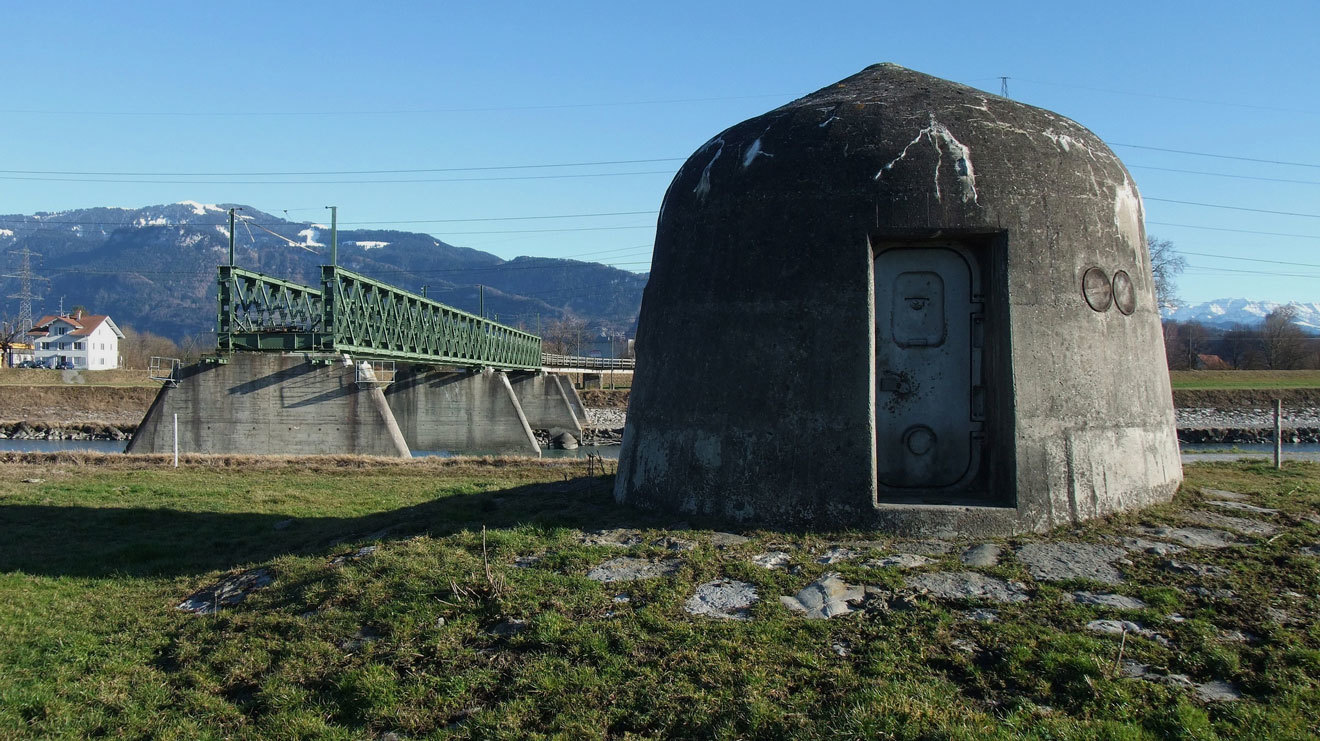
1209,380
95,557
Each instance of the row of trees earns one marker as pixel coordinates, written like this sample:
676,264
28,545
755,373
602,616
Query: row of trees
1275,344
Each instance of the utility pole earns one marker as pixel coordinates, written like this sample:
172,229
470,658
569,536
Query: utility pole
231,235
1003,86
25,294
481,300
334,235
424,291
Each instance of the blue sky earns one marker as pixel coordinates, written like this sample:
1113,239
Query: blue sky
240,87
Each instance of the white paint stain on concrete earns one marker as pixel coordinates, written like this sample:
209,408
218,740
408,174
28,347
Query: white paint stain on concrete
942,139
703,185
753,151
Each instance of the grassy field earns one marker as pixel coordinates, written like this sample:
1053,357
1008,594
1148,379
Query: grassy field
408,639
121,377
1198,380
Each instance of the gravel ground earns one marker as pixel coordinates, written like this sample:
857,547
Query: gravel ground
1209,418
609,419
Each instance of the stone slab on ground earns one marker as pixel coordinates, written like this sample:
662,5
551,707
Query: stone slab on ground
615,537
1145,545
981,556
925,547
824,598
723,598
1243,525
1200,569
772,559
967,585
631,569
899,561
1225,494
1119,627
226,592
1060,561
1115,601
1242,507
837,554
1217,691
1192,537
726,540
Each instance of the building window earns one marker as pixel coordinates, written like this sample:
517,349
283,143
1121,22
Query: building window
64,346
61,330
77,345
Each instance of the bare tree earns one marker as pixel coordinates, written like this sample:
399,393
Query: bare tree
1282,343
137,348
12,332
565,336
1165,266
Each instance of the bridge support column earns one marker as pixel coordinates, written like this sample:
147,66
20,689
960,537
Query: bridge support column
571,394
545,404
460,411
263,403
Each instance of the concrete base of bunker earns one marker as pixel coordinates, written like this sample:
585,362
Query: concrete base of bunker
906,304
262,403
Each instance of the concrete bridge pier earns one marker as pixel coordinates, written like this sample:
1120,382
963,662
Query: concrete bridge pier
546,404
264,403
474,411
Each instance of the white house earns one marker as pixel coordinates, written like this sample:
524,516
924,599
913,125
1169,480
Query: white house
85,341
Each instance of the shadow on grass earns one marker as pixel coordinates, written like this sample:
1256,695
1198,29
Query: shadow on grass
97,542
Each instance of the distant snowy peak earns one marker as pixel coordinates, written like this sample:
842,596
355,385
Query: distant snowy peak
1229,311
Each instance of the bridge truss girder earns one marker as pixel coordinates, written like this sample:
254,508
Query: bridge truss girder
363,317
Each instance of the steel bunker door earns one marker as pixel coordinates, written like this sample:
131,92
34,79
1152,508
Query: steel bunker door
928,327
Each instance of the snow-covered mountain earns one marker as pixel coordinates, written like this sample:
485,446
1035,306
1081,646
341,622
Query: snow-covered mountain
154,268
1226,312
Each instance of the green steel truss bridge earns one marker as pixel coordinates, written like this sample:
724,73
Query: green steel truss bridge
353,314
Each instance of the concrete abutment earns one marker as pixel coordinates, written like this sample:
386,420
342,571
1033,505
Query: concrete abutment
296,404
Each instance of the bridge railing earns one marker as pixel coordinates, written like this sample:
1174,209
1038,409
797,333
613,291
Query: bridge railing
553,360
259,312
370,318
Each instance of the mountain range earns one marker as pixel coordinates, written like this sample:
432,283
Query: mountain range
1226,312
155,268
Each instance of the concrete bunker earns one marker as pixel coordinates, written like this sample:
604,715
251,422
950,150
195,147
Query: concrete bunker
902,303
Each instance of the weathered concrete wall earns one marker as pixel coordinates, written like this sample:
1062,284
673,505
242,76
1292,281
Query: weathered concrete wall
544,403
262,403
459,411
571,394
762,292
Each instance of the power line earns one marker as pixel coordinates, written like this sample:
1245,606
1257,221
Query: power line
561,176
1250,259
1235,208
1224,175
1216,156
1171,97
40,222
1238,231
391,112
345,172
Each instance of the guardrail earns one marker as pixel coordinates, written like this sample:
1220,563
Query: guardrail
552,360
